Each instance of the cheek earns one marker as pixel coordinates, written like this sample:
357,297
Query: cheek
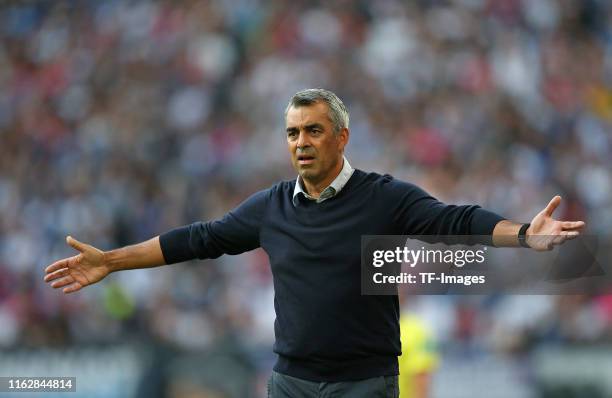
330,150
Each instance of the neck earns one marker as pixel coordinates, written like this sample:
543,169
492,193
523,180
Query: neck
314,188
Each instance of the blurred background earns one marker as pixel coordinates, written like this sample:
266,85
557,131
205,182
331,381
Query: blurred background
122,119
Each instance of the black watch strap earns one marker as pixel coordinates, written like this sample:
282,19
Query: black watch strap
522,235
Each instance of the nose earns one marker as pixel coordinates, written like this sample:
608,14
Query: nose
303,141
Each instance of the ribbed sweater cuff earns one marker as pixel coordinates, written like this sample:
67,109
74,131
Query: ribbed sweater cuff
175,245
484,222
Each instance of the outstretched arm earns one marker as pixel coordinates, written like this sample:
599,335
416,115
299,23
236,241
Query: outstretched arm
92,265
236,232
544,232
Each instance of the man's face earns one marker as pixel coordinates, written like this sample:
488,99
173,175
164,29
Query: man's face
316,152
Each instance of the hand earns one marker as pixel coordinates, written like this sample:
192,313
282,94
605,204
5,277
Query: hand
545,232
76,272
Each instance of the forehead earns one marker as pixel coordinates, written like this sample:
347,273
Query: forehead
308,114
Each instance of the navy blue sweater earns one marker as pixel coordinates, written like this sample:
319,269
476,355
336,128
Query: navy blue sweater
325,329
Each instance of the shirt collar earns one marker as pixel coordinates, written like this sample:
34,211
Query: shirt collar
332,190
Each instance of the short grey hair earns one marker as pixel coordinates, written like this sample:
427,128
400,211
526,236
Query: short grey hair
338,114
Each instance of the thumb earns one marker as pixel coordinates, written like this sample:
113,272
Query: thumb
552,205
76,244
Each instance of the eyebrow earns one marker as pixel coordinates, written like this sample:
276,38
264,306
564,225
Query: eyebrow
307,127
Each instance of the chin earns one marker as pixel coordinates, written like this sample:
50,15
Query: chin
307,173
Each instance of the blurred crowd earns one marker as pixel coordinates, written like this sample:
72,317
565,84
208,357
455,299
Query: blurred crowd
122,119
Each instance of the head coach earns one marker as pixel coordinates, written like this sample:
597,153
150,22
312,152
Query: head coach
330,339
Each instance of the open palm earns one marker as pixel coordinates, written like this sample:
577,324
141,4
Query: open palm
545,232
74,273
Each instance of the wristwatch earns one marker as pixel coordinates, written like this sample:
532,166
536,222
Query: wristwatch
522,235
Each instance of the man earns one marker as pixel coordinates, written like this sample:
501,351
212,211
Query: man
330,339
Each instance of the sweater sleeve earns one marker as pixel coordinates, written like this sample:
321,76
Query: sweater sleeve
418,213
236,232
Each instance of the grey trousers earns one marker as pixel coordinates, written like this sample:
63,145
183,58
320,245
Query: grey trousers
283,386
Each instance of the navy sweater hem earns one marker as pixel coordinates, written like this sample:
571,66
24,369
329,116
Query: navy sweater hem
338,371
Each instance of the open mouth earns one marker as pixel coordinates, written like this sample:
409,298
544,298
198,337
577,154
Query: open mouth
305,159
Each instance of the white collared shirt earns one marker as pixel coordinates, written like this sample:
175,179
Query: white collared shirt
332,190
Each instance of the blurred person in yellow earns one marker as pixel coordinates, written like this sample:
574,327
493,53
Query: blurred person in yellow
419,357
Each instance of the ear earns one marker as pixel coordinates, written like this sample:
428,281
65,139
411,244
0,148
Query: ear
343,137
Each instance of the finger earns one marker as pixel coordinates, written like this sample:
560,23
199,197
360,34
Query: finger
552,205
75,287
57,274
572,225
571,234
59,264
65,281
76,244
565,235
